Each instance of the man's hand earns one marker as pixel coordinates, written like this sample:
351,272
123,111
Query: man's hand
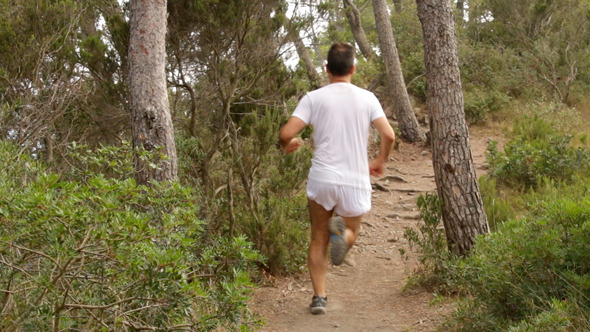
376,168
293,145
287,140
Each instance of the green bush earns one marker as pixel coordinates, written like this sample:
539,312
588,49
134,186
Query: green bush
280,227
252,188
277,220
557,319
110,161
534,128
479,104
536,152
531,273
283,237
429,242
555,118
499,208
516,275
106,253
495,70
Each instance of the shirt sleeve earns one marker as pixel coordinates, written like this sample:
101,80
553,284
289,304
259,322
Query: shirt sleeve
376,109
303,109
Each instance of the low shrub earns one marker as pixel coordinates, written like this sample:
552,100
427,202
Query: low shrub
111,161
429,242
533,268
277,218
251,188
557,318
536,152
106,253
480,104
499,205
283,237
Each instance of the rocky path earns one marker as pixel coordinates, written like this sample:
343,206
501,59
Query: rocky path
366,293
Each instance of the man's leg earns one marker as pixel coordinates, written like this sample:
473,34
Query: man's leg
343,234
317,260
353,227
352,201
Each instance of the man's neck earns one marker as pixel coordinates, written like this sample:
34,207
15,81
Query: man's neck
340,79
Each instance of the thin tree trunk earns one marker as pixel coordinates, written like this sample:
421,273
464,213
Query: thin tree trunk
460,5
398,5
48,148
303,54
463,212
408,125
151,123
230,202
461,9
354,20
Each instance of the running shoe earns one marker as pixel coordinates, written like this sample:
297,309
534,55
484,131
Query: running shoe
338,243
318,305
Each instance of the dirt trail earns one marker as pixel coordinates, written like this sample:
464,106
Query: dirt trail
366,294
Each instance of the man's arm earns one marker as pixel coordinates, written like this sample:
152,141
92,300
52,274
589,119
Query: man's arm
287,134
377,165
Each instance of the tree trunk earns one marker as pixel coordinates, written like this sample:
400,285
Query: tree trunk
408,125
48,148
460,5
461,9
304,56
463,213
398,5
151,123
354,20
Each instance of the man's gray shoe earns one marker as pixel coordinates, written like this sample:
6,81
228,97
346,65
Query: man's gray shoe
338,243
318,305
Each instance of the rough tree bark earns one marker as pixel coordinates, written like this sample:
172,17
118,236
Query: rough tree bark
404,113
354,20
463,213
151,123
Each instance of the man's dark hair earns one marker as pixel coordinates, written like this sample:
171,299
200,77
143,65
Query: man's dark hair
340,59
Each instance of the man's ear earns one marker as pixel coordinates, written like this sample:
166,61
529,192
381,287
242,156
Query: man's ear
352,69
327,69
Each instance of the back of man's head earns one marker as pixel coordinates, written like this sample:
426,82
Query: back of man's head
340,59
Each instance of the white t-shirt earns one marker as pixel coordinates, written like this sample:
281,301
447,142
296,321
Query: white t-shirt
341,115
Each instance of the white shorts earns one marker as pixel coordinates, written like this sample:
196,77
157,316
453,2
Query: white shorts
345,201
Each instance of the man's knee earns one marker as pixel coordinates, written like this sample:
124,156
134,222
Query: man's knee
353,223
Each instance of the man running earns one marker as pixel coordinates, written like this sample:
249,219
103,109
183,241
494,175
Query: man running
341,115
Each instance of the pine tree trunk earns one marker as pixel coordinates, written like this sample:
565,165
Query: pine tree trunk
354,20
398,5
463,212
460,5
303,54
461,9
151,123
404,113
